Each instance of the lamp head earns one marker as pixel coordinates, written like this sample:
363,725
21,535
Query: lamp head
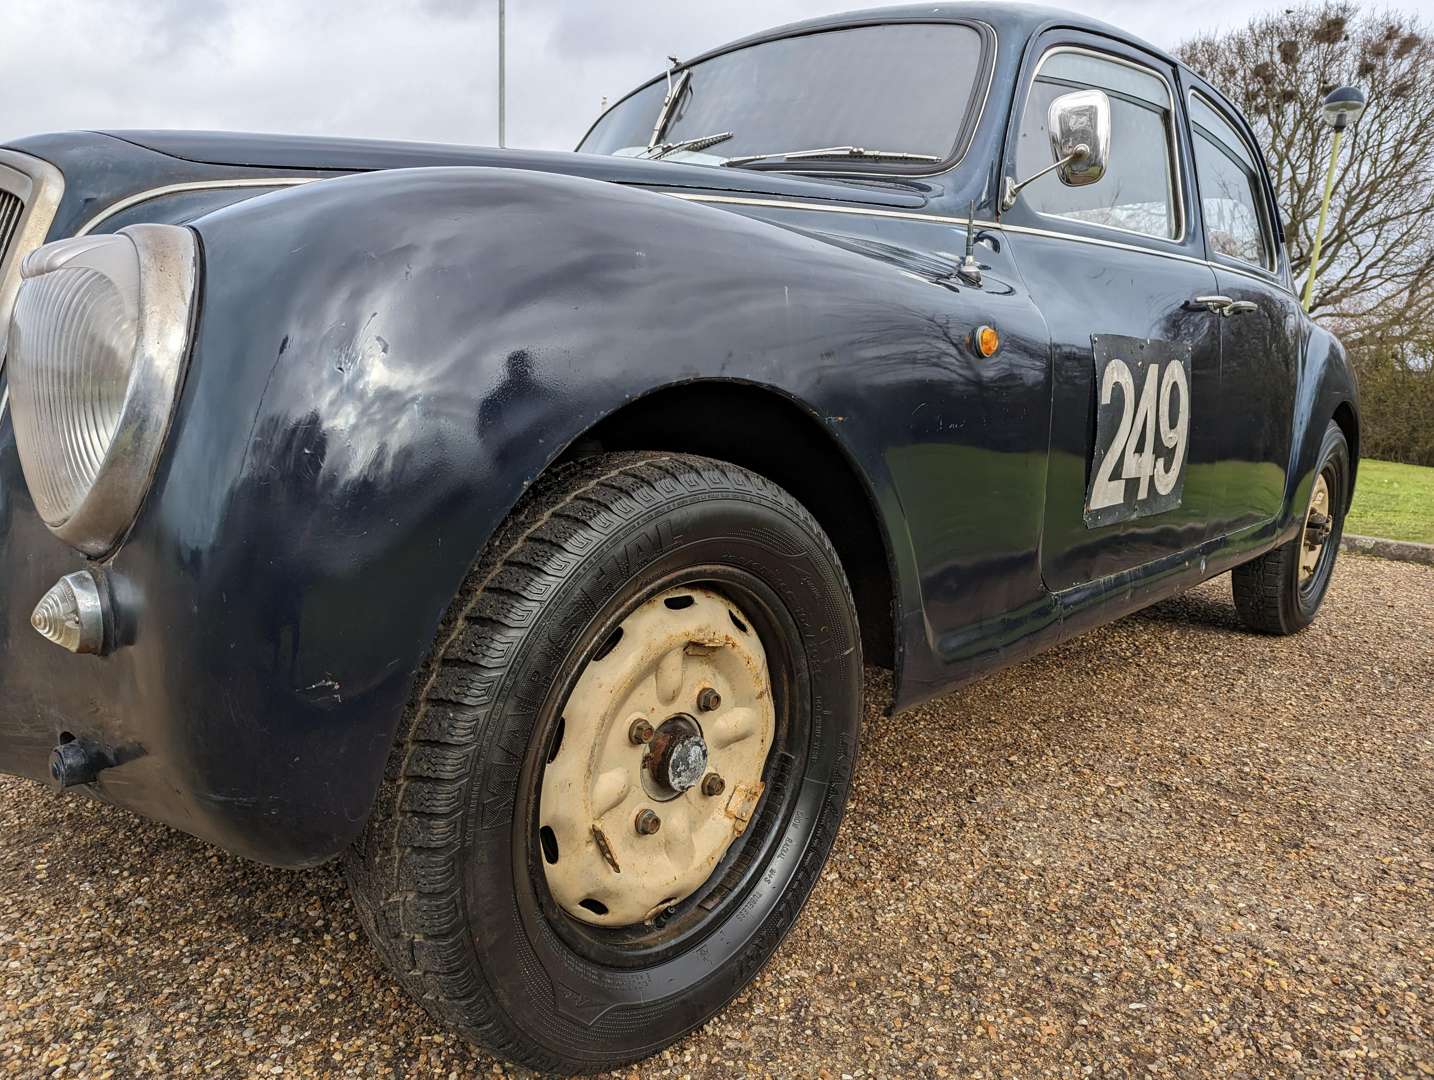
1343,106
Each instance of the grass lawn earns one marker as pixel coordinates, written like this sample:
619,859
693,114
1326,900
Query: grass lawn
1392,501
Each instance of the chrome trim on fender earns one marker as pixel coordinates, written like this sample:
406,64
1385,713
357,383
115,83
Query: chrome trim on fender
833,208
192,185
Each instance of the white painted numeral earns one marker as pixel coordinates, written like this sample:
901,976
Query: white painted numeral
1174,434
1158,409
1139,464
1107,491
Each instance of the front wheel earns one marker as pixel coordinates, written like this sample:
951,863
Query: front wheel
1280,592
624,767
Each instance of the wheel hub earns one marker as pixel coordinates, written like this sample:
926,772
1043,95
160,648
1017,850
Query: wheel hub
1318,526
640,800
676,759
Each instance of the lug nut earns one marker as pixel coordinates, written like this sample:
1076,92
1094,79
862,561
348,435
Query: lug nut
640,732
647,823
712,784
709,700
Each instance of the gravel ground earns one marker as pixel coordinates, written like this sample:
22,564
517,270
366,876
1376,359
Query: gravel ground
1167,848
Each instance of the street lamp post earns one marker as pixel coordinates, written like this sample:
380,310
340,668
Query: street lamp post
1342,107
502,73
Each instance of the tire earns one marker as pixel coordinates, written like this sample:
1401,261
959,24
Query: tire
451,877
1275,593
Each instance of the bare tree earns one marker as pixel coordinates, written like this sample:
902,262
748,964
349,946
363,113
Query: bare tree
1376,273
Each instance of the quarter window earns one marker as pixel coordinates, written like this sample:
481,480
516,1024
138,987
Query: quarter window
1229,179
1137,192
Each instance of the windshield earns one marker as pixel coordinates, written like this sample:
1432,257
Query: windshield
904,88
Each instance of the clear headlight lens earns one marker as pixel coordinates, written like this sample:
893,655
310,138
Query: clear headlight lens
97,348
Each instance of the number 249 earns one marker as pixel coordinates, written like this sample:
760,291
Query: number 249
1133,448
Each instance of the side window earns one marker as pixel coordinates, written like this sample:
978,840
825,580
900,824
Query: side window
1137,192
1230,188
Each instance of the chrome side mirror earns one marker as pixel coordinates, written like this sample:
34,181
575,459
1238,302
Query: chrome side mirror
1079,128
1079,125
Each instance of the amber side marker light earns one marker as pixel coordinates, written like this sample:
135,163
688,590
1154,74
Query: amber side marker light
986,340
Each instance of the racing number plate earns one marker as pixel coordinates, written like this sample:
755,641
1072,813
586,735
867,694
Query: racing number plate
1142,428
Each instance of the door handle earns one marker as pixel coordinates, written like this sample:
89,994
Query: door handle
1222,305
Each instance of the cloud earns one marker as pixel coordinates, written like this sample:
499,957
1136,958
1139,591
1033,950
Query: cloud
408,69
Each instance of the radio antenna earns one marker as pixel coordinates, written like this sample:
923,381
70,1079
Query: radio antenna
970,270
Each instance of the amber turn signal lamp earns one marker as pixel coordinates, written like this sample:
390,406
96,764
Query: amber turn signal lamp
986,340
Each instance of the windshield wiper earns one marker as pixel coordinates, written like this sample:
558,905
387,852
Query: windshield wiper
674,92
833,153
702,142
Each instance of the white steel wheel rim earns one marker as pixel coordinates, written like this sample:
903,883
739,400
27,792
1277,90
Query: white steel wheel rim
1311,551
599,867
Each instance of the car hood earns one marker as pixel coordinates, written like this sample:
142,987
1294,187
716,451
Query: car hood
314,153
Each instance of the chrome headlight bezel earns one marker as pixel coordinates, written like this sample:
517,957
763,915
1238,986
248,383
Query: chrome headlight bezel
160,299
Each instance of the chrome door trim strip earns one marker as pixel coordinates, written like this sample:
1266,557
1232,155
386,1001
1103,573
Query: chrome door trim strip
1264,279
943,219
833,208
1101,242
192,185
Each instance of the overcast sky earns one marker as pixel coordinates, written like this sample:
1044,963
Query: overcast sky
404,69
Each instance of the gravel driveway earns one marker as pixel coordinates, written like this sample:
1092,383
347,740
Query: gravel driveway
1167,848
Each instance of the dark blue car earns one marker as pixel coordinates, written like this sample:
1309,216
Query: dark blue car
514,526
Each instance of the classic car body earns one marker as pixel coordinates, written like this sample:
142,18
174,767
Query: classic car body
1010,362
394,357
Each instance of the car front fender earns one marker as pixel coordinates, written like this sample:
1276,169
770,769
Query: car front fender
381,366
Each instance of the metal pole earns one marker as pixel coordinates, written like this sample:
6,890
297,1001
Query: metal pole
1323,213
503,74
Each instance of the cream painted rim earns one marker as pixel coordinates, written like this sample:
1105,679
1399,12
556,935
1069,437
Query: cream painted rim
672,652
1311,551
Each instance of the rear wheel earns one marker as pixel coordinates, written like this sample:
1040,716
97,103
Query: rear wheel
625,766
1281,591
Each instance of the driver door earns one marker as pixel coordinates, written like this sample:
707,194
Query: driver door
1118,269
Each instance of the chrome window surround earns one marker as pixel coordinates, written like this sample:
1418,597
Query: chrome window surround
997,226
192,185
40,186
1266,227
1172,131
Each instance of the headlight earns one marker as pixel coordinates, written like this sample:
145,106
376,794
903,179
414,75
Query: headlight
97,349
